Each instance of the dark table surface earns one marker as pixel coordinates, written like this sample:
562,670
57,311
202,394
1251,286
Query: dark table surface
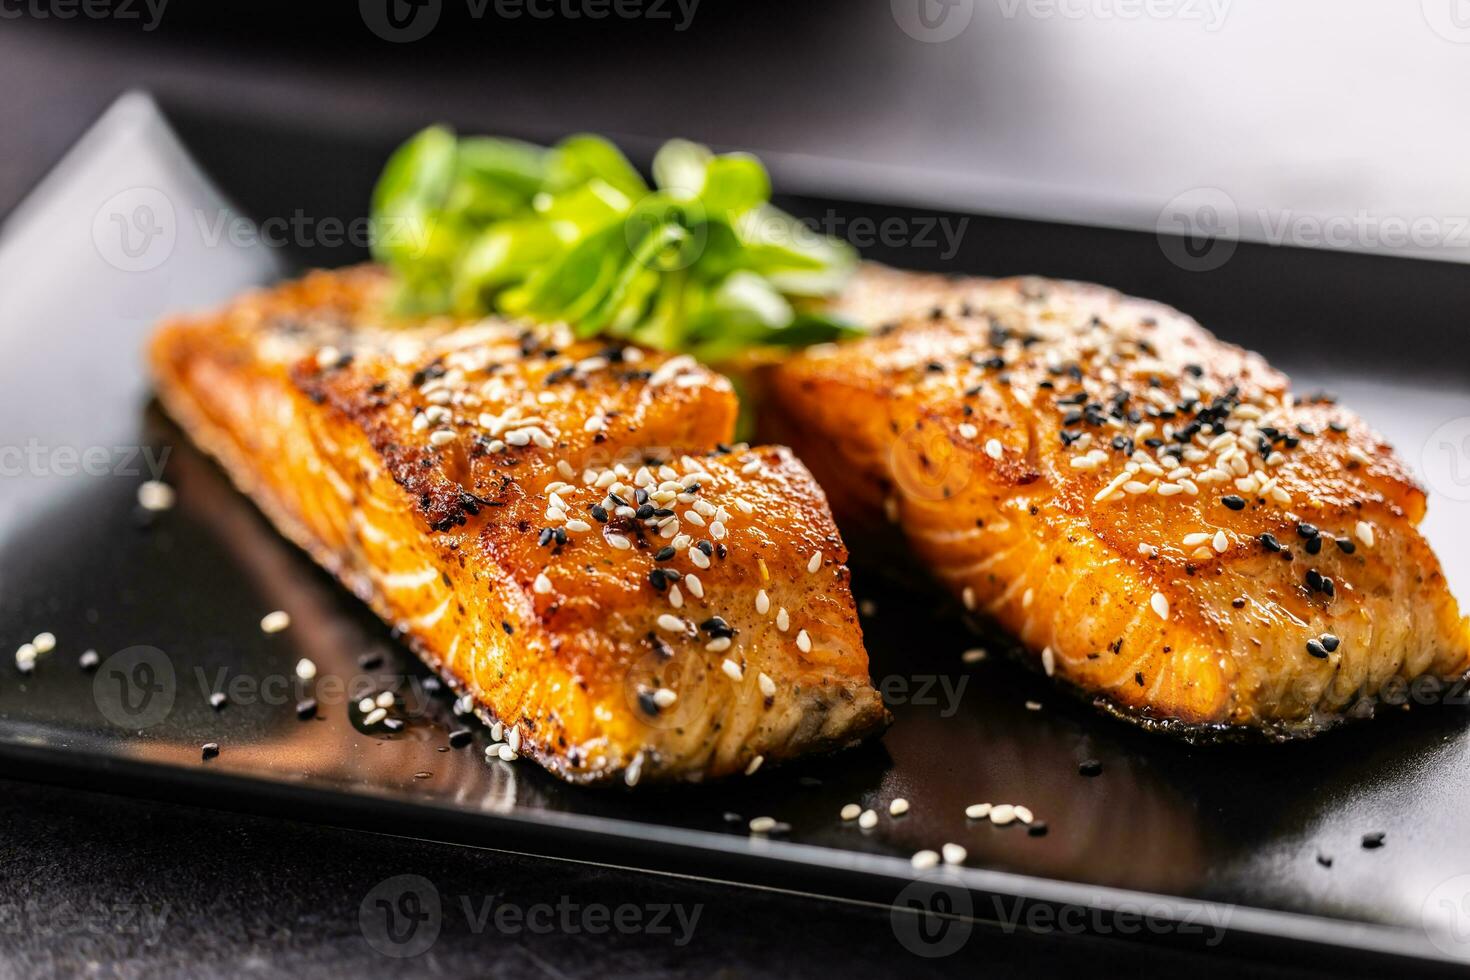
104,885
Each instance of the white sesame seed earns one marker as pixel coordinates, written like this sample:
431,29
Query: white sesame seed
750,467
967,597
664,697
305,669
814,563
508,754
88,660
513,739
578,525
803,642
25,657
867,820
1002,814
693,518
732,669
441,437
718,645
694,585
1221,544
977,811
44,642
1048,661
954,854
366,704
754,765
994,449
767,686
851,812
898,807
274,622
671,623
968,431
762,825
676,598
619,542
1159,603
762,602
717,530
384,699
542,585
1357,455
1027,598
924,860
374,716
1364,531
699,558
973,656
155,495
783,621
1033,705
1024,814
1196,539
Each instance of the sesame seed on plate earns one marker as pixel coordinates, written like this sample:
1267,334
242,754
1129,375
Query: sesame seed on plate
924,860
898,807
508,754
954,854
274,622
851,812
973,656
1048,661
374,716
868,819
762,825
1002,814
305,669
89,660
754,765
155,495
1023,814
977,811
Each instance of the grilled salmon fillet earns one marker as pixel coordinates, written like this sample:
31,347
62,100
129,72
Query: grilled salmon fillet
557,526
1154,513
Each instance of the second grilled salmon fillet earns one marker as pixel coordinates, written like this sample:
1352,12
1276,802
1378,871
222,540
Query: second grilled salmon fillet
1152,512
558,526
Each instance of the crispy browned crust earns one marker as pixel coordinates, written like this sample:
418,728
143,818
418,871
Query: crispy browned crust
1040,535
324,412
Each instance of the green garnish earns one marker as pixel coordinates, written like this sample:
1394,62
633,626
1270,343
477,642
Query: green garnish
700,262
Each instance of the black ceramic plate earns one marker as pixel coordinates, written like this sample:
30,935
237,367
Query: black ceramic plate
1251,848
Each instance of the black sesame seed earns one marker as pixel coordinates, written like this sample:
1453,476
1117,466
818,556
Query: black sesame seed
665,553
369,661
1307,530
306,709
1325,860
644,512
460,737
648,704
1313,546
217,700
640,496
1233,502
1314,580
1374,840
1316,649
1346,546
509,629
209,750
1090,767
656,579
1269,542
1329,642
560,534
705,547
544,538
1037,828
599,513
1238,603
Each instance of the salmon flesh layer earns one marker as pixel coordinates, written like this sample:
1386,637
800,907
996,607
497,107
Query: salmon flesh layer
558,526
1163,524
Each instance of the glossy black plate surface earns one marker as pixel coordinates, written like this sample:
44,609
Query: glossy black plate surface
1245,846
